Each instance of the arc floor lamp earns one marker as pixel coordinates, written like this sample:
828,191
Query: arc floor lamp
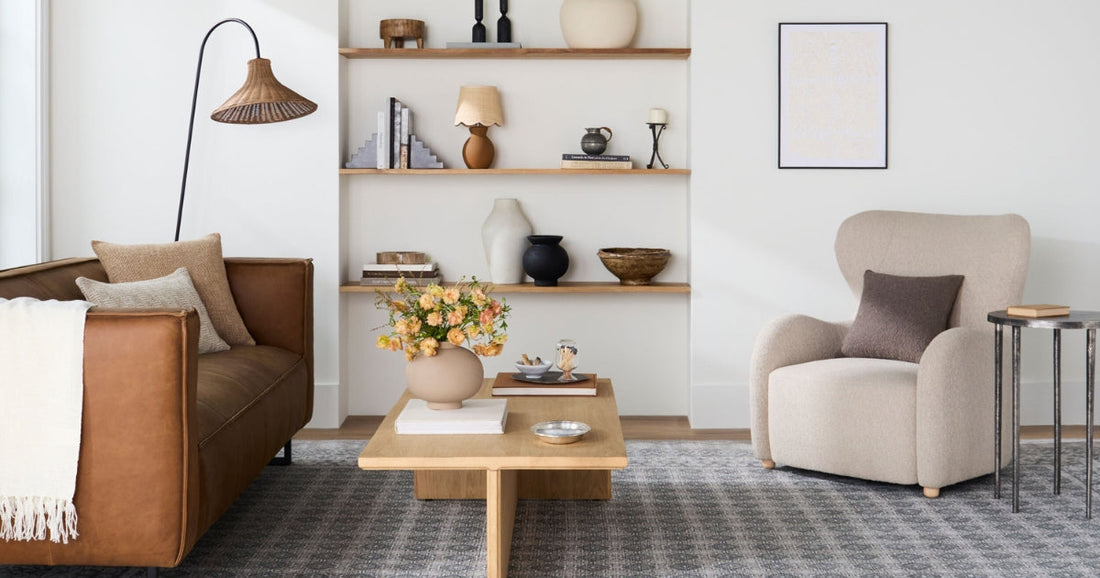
261,100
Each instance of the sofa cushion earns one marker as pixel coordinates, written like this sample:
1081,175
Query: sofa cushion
174,290
899,316
846,416
230,382
203,259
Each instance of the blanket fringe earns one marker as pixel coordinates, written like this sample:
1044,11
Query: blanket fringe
33,517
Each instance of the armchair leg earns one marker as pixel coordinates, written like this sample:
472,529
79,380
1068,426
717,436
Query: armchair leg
283,460
152,572
768,464
931,492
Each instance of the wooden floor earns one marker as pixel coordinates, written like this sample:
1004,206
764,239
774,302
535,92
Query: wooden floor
361,427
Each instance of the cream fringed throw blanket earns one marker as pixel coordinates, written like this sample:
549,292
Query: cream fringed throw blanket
41,393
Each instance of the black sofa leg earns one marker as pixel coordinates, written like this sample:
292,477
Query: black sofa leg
283,460
152,572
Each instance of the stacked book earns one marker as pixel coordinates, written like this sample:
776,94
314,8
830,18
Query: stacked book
571,161
476,416
507,384
385,274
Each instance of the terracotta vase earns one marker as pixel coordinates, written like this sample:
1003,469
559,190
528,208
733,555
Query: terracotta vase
598,23
504,236
445,379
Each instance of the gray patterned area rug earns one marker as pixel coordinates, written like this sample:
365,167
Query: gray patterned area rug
680,509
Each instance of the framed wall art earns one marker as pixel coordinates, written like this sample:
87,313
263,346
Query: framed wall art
832,95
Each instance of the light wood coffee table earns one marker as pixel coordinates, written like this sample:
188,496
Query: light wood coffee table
502,469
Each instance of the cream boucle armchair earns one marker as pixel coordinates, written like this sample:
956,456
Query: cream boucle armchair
928,423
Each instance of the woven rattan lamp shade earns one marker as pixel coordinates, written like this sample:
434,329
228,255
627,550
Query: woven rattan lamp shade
478,105
262,99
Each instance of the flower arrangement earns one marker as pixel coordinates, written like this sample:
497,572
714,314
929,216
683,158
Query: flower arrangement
421,319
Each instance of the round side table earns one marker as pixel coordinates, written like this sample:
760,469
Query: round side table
1087,320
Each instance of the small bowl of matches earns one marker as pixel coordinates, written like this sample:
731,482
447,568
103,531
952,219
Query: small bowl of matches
532,368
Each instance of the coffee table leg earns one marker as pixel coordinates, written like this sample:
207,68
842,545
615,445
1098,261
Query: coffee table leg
1015,418
500,515
998,367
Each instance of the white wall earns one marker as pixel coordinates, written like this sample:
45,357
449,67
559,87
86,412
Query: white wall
121,85
21,118
992,109
640,341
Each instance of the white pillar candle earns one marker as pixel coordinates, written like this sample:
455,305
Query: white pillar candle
658,116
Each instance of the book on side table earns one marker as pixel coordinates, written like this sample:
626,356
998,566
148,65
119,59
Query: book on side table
1035,311
507,384
476,416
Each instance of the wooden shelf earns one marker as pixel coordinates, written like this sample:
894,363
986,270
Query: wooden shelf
653,172
512,53
563,287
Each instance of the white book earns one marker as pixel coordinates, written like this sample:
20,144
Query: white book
476,416
397,267
381,143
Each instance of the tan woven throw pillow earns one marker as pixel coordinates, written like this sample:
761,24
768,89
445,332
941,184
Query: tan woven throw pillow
203,259
174,290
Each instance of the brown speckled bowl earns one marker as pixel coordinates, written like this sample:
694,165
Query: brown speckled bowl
634,266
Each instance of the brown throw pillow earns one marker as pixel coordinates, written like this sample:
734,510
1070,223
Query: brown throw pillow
203,259
899,316
175,291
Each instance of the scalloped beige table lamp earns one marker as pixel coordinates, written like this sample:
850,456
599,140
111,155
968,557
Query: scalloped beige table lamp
478,108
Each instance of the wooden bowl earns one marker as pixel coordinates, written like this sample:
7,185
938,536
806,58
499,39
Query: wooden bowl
634,266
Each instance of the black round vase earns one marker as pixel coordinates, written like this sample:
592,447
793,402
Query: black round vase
545,260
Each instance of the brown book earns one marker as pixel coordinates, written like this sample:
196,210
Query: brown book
1042,310
506,384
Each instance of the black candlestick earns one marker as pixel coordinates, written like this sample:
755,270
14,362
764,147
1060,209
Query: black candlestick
656,137
479,28
504,25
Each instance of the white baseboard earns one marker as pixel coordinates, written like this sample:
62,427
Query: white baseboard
719,406
326,407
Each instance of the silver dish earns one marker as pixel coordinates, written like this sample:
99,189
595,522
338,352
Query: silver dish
560,431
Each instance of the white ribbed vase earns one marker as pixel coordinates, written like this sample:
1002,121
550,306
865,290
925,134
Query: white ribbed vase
599,23
504,235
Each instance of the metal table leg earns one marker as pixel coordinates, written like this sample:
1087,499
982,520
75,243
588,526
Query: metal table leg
998,346
1057,411
1090,386
1015,419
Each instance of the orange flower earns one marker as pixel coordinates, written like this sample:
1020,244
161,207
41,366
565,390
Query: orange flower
455,336
427,301
398,305
454,318
429,346
486,317
478,296
451,295
401,326
435,319
394,344
410,352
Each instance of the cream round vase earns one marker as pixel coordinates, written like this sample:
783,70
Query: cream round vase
599,23
446,378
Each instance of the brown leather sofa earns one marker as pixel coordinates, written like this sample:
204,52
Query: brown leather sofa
170,438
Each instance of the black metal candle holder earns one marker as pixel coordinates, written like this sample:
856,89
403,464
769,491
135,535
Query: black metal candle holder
504,25
478,32
653,128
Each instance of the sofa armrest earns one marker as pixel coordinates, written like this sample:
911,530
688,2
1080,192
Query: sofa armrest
788,340
137,480
955,408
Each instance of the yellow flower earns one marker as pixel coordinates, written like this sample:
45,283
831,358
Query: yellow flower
435,290
479,297
473,331
456,336
500,339
383,342
400,286
451,295
435,319
427,301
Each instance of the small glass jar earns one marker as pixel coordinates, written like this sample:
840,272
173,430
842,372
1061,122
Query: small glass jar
566,358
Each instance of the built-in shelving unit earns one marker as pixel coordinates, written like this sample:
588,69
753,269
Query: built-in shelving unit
440,172
561,287
502,53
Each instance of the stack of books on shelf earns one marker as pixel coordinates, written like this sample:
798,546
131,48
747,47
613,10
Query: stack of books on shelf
385,274
476,416
571,161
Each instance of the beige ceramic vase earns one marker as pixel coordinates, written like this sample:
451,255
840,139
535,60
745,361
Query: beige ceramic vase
598,23
445,379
